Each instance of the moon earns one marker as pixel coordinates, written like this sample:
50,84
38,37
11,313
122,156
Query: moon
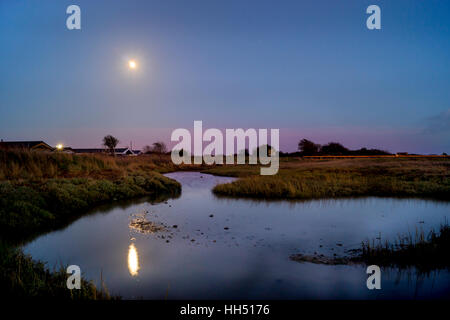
132,64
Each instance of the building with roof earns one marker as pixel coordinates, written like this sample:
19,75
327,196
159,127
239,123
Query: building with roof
26,145
118,151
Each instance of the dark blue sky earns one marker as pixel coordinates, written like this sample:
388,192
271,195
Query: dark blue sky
310,68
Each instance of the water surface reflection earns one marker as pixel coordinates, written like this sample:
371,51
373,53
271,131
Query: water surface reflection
133,260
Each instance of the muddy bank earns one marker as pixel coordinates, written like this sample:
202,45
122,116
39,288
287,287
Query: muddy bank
140,223
322,259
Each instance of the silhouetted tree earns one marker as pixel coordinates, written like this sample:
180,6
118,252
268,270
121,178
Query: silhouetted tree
159,148
264,150
308,148
147,150
110,142
182,152
368,152
333,148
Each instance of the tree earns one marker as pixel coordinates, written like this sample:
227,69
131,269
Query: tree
110,142
182,152
147,150
308,148
264,150
159,147
334,148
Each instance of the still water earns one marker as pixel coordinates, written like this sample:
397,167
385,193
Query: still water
199,246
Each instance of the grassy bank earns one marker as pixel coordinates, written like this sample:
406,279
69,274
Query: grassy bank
40,192
426,252
310,179
23,165
43,191
29,207
21,276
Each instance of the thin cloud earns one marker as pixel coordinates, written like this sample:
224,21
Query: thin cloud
439,123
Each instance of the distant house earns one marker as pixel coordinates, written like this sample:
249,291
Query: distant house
118,151
26,145
89,150
67,150
124,152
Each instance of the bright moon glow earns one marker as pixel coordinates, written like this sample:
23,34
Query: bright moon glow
132,64
133,262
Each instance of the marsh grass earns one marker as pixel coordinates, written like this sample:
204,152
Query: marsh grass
21,276
29,207
311,179
424,251
40,192
34,166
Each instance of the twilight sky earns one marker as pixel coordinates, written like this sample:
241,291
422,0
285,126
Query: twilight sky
310,68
